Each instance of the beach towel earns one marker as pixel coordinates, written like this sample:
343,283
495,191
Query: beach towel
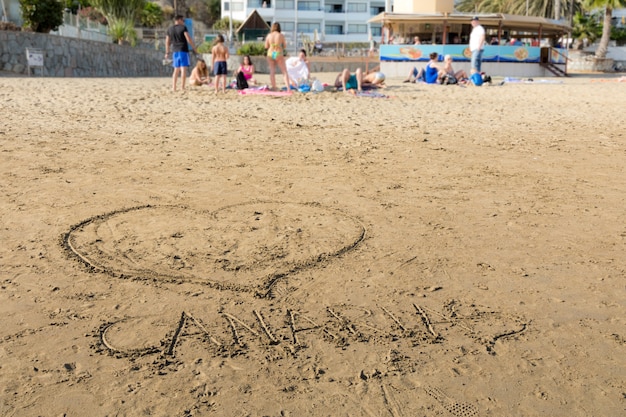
296,69
371,94
529,81
365,87
263,91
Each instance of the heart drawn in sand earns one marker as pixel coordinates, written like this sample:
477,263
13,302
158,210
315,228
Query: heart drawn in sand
241,247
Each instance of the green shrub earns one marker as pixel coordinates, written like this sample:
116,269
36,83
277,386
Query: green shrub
74,5
122,30
42,16
223,24
618,35
151,15
252,49
205,47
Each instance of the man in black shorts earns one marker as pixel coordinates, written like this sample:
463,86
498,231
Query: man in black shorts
178,39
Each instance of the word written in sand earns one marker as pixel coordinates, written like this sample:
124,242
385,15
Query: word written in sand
287,331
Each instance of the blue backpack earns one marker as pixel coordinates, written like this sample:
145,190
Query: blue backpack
477,79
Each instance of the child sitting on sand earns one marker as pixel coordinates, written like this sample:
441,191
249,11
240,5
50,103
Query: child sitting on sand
200,74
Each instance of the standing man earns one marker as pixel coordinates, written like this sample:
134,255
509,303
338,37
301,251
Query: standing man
477,44
176,40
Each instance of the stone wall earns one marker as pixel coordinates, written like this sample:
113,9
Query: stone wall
582,61
69,57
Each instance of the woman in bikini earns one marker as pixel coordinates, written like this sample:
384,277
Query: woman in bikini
276,45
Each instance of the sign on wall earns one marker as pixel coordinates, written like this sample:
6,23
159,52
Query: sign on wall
34,59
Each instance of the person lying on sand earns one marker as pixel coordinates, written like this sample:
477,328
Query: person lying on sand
349,81
358,80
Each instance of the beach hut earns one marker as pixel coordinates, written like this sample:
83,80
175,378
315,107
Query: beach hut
253,28
520,46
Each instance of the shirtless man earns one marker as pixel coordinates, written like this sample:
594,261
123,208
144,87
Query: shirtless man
220,69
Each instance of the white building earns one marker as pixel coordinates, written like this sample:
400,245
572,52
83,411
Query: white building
11,11
332,20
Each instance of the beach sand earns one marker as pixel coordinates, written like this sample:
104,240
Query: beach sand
445,251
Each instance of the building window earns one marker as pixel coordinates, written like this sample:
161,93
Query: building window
284,4
333,29
374,10
357,29
376,30
309,5
237,6
357,7
333,8
286,27
261,4
308,27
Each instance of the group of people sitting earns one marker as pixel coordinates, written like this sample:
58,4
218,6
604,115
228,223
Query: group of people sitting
295,70
298,71
200,74
433,73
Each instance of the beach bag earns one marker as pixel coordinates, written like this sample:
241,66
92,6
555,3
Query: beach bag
242,83
448,79
476,79
317,86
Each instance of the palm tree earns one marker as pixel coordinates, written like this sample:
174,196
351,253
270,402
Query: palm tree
119,9
543,8
121,15
584,27
608,6
122,30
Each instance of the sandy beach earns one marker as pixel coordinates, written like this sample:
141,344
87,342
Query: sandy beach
441,251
